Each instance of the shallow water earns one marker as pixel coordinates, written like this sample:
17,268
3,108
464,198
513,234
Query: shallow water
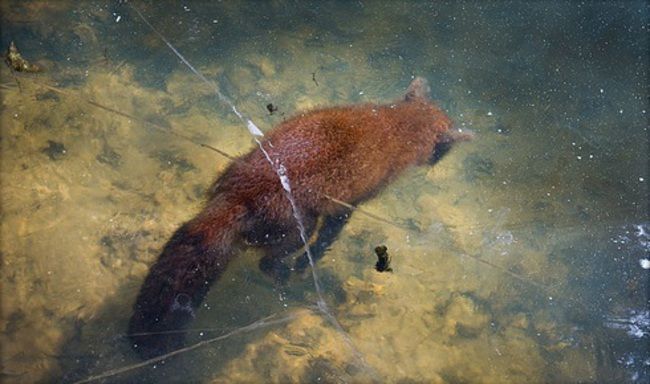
519,257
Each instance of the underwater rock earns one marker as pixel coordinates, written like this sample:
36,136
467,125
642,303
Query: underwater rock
172,159
464,318
383,259
54,150
109,157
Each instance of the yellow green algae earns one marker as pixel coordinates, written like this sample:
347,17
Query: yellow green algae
83,218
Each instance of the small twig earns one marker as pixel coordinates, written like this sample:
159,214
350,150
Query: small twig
369,214
117,67
7,86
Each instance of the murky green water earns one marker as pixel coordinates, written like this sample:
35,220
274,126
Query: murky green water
518,258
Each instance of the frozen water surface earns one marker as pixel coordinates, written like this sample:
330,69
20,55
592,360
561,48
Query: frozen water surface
518,257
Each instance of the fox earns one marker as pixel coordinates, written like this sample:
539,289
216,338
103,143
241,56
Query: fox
344,153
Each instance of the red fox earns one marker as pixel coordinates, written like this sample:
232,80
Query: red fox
347,153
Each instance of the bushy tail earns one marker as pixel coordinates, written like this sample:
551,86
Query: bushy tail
177,283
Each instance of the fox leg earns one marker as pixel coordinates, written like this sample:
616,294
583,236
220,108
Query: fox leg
332,226
272,262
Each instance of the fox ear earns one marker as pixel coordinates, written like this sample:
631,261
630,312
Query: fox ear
418,89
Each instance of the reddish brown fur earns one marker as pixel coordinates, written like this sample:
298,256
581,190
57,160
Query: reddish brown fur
348,153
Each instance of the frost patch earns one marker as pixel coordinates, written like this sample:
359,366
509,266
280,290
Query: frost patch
636,323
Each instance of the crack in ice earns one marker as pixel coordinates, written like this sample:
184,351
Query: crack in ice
281,171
